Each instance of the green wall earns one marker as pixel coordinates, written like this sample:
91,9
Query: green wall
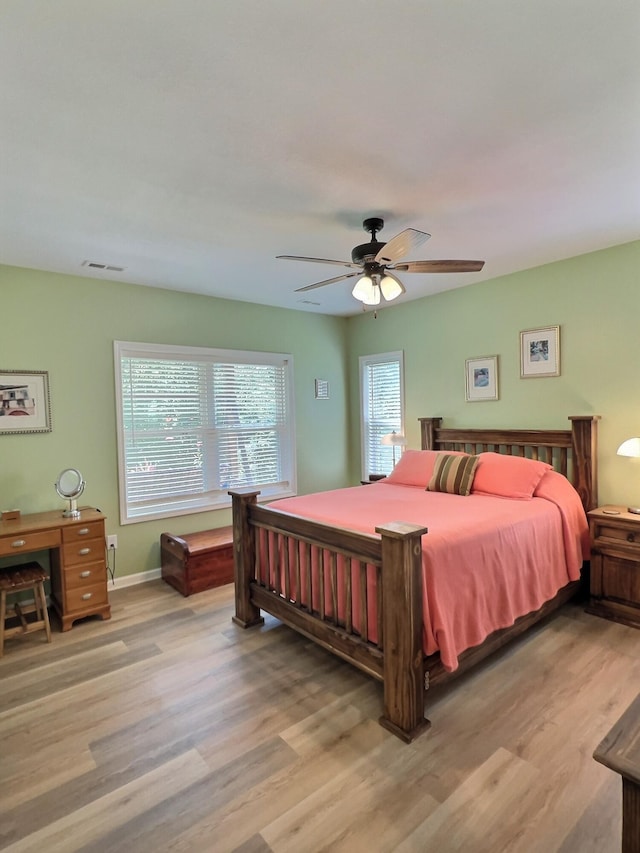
594,298
66,325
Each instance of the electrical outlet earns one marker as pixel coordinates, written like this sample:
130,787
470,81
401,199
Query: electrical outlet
112,542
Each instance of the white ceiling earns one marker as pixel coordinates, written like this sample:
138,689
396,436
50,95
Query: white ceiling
192,141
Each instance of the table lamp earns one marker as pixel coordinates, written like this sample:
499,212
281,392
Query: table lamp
396,439
631,447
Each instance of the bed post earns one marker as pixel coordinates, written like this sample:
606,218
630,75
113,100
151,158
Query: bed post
428,427
584,441
247,614
403,669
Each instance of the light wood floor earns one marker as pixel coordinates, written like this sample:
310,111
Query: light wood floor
169,728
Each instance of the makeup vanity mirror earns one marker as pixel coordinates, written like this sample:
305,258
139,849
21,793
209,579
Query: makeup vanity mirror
70,485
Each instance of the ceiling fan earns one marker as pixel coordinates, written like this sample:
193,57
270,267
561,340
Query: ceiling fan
376,262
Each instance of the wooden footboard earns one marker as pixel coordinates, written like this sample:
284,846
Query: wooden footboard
317,578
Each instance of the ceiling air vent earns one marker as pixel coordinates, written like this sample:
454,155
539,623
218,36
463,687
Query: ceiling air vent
94,265
308,302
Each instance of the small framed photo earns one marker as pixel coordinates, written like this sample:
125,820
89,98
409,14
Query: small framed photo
481,378
322,389
540,352
24,401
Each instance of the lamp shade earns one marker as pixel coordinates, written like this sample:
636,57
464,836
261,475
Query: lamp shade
395,439
366,291
391,287
630,447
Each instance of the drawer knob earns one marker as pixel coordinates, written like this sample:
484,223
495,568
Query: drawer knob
83,532
85,574
84,551
87,596
18,543
631,537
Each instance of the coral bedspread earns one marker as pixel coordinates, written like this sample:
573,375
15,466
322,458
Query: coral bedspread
486,560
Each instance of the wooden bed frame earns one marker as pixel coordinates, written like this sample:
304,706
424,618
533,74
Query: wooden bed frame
396,658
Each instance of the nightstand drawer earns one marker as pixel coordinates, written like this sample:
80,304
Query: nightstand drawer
617,534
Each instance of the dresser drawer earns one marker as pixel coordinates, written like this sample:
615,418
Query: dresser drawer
81,532
85,597
10,545
85,575
82,551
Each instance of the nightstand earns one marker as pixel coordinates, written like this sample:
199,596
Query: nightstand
373,478
615,564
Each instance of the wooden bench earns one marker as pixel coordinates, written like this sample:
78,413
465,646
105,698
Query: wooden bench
194,562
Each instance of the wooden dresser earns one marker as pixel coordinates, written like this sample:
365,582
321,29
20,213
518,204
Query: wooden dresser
78,566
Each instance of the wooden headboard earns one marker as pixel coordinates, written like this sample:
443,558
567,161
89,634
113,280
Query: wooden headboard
572,452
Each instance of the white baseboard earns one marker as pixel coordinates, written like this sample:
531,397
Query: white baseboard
133,580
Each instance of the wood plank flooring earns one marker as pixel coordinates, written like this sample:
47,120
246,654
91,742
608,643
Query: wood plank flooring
168,728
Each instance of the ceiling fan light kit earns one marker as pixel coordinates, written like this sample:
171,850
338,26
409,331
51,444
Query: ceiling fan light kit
366,291
369,289
376,260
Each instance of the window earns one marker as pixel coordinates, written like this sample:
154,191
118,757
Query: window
382,409
194,423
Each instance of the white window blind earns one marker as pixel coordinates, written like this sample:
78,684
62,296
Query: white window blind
194,423
382,409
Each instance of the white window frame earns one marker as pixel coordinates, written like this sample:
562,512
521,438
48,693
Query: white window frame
214,498
366,362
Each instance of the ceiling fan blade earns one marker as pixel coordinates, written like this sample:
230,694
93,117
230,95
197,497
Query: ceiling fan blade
328,281
400,245
317,260
439,266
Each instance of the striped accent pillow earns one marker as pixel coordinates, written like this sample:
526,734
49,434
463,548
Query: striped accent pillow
453,474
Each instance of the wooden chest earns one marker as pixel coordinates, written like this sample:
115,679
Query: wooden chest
197,561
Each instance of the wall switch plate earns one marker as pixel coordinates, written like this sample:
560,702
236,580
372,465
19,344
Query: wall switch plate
112,542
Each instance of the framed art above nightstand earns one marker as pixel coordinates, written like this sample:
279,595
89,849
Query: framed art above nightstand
614,585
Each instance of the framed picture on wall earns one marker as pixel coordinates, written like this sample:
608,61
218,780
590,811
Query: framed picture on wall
24,401
540,352
481,378
321,389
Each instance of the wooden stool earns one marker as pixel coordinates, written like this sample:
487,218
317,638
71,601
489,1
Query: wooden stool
18,579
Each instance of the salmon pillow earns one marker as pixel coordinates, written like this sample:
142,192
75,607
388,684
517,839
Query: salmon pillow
508,476
415,467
